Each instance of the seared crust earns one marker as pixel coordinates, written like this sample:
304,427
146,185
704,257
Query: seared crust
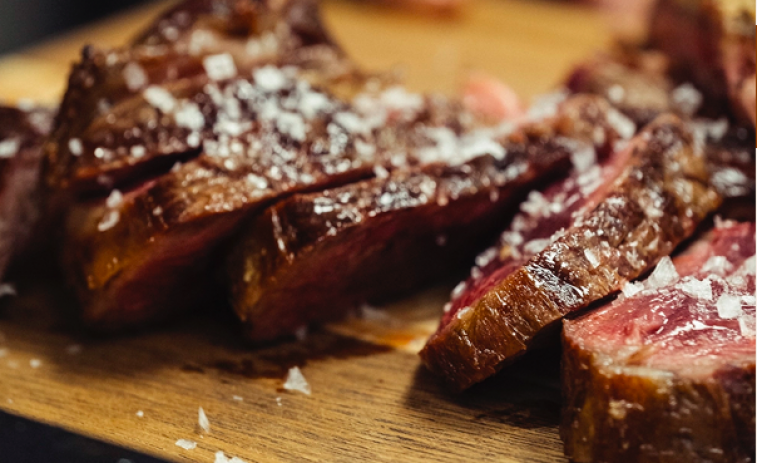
656,202
663,374
312,257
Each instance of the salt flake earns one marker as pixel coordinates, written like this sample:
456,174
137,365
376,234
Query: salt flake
295,381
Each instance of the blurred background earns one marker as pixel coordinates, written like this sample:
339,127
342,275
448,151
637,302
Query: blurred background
23,22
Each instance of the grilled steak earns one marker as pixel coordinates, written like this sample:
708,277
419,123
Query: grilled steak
21,135
313,256
712,43
667,372
575,244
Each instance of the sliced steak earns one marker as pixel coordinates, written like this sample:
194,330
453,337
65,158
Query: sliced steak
21,135
711,42
314,256
667,371
575,244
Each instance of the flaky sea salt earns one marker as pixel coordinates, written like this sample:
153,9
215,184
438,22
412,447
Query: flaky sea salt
202,420
729,306
9,148
75,147
663,275
115,199
188,115
109,220
159,98
220,457
719,265
698,289
186,444
269,78
687,99
134,76
219,67
747,325
295,381
7,289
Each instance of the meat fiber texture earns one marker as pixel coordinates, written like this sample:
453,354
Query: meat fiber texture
711,42
314,256
638,84
21,133
574,244
667,371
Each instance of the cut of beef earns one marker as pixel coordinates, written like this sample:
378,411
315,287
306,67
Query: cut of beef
711,42
21,135
312,257
667,371
572,245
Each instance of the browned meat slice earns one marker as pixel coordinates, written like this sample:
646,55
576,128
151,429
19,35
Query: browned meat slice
117,122
667,371
711,42
575,244
21,135
314,256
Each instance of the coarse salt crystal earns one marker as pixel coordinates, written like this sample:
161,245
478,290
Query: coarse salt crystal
616,93
293,125
729,306
7,289
75,147
687,99
189,116
747,325
536,246
140,414
138,151
663,275
219,67
583,157
719,265
629,289
459,290
624,126
9,148
186,444
269,78
115,199
202,420
698,289
295,381
134,76
159,98
592,258
109,220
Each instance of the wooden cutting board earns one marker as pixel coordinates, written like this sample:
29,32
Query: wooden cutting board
370,401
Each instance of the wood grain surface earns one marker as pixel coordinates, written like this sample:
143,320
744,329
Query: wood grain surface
370,401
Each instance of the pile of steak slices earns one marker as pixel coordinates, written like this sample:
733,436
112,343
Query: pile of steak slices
233,150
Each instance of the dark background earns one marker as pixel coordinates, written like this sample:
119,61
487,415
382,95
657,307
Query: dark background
23,22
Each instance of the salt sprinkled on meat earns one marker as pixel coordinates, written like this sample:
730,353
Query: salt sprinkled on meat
109,220
686,99
9,148
159,98
698,289
536,246
399,99
664,274
729,306
483,259
748,299
219,67
459,289
747,325
629,289
293,125
188,115
202,420
138,151
546,105
269,78
592,258
186,444
115,199
718,265
75,147
295,381
7,289
624,126
616,93
134,76
583,157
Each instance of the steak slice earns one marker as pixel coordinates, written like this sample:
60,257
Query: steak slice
312,257
132,113
21,135
667,373
711,42
584,238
